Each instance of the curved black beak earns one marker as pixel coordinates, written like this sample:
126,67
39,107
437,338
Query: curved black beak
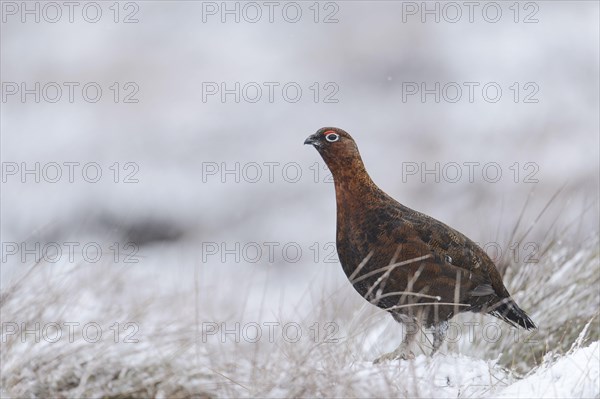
311,140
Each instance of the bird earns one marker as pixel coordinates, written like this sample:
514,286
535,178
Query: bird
415,267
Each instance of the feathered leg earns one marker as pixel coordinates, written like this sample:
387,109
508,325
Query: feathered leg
403,351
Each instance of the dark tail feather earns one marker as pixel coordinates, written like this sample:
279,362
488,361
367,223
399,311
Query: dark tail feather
511,313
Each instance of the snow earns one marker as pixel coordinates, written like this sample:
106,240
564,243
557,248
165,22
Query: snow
443,376
169,354
576,375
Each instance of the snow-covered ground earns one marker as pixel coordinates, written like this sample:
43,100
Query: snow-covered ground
215,222
114,330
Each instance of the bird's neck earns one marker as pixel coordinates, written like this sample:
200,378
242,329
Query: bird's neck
353,184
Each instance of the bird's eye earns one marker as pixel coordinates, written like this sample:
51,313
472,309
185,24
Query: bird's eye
332,137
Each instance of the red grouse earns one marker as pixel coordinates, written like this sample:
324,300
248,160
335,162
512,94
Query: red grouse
417,268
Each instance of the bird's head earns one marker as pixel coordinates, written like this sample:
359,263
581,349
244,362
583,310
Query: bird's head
340,152
336,146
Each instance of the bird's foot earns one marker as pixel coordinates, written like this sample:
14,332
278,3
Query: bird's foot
401,352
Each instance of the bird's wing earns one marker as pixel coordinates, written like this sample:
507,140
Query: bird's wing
425,275
455,249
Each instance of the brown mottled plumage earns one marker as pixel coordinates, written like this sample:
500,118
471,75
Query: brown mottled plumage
412,265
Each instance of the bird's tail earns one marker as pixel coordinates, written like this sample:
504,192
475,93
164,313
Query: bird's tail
511,313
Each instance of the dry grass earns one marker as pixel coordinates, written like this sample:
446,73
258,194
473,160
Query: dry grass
175,357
